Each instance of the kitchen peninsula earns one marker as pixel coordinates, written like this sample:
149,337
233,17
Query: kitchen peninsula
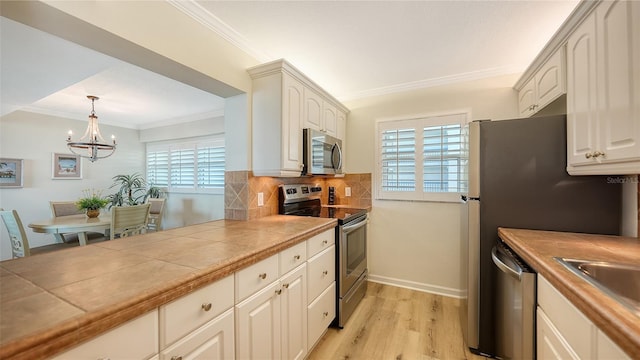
55,301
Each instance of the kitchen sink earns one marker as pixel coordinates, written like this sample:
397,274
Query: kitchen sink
618,280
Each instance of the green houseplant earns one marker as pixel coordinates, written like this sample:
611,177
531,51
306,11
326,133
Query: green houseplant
92,202
132,190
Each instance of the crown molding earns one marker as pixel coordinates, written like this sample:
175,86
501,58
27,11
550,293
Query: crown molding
192,9
433,82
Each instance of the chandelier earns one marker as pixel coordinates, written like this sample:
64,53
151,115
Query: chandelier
91,143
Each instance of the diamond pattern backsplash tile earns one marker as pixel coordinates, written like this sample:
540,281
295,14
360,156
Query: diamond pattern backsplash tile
242,188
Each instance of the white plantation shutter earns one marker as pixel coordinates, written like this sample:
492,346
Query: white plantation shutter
421,158
189,166
211,166
158,168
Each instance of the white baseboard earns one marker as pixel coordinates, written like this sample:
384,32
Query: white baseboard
432,289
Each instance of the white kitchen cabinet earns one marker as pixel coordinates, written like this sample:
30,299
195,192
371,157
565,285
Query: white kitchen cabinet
294,314
284,102
272,323
186,314
277,118
321,311
136,339
603,91
321,271
548,83
258,325
564,332
320,242
213,341
255,277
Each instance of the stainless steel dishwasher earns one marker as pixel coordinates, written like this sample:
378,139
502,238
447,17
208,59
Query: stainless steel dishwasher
515,310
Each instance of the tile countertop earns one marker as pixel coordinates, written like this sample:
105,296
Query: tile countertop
53,301
538,248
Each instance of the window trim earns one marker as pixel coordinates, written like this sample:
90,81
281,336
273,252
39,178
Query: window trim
190,143
418,122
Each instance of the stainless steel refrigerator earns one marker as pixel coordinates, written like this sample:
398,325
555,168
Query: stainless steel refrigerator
517,178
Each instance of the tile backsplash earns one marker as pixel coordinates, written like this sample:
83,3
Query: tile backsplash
242,188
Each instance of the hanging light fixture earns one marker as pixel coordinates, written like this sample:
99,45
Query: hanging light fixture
92,140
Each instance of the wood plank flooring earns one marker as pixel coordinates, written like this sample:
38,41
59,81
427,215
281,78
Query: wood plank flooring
398,324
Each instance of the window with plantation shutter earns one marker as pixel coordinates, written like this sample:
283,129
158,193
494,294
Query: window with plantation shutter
421,158
187,166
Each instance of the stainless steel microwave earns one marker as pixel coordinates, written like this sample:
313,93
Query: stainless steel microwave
321,153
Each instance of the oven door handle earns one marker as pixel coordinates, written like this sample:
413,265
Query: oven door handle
358,225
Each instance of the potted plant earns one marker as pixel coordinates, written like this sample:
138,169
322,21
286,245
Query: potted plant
132,190
92,202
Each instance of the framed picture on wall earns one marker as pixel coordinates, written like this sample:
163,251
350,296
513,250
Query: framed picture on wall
66,166
10,173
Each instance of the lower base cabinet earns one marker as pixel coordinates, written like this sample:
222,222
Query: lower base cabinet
213,341
564,332
271,324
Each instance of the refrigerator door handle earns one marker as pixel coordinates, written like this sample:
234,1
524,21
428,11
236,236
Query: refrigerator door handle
514,273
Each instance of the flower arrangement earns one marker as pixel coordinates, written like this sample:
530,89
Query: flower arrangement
92,200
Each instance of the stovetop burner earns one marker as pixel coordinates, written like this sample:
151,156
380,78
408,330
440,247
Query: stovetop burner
304,200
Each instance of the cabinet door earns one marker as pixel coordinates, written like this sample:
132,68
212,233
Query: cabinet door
618,24
527,99
549,342
312,110
329,119
292,112
581,93
550,80
213,341
258,325
294,314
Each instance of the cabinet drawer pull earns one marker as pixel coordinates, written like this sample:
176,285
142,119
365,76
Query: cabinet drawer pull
206,307
297,257
325,272
279,291
325,242
588,155
325,314
286,286
176,358
263,276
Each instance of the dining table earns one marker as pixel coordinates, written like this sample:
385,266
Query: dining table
80,224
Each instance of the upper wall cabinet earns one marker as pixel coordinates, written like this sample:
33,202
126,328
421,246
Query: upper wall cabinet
548,83
603,91
284,102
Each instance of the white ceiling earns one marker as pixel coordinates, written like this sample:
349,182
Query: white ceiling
351,48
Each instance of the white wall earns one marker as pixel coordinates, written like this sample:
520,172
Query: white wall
418,244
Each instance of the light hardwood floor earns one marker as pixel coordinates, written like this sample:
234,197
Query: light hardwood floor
397,324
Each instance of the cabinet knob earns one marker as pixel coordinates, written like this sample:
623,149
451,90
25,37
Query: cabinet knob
588,155
206,307
325,242
325,272
325,314
297,257
279,291
286,286
176,358
598,154
263,276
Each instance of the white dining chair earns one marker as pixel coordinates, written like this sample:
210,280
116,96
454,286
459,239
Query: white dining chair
155,214
17,236
129,220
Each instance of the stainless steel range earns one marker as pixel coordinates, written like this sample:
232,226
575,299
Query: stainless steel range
351,242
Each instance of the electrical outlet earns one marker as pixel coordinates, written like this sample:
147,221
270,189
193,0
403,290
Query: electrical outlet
260,199
347,191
